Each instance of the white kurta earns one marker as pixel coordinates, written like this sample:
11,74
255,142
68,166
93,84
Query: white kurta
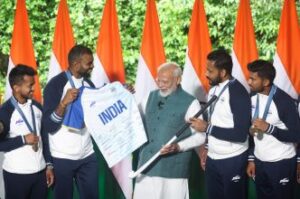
148,187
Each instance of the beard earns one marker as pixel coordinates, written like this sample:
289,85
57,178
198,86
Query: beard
167,92
257,89
86,74
214,82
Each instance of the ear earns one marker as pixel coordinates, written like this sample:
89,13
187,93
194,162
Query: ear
223,73
76,63
266,82
178,80
16,88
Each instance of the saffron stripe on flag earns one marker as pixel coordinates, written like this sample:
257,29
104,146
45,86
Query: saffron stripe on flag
63,41
287,56
21,39
152,54
194,79
109,50
244,44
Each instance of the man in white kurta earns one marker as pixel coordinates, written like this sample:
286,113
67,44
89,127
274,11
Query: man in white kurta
166,111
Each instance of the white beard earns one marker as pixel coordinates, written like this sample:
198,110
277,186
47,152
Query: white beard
166,93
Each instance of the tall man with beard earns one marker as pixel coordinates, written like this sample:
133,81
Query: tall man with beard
73,153
166,111
227,129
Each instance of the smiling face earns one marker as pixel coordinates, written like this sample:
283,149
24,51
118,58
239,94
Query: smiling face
167,81
25,88
85,65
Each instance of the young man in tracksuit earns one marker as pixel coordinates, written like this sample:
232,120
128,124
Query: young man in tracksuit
27,167
227,129
275,130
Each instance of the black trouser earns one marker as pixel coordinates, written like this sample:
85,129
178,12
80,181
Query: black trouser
275,180
25,186
85,174
226,178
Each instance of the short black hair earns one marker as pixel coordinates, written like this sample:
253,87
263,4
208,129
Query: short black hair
16,75
221,59
77,51
264,69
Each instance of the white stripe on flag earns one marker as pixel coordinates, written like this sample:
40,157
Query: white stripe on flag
7,86
191,82
144,82
98,76
282,80
237,71
121,172
54,67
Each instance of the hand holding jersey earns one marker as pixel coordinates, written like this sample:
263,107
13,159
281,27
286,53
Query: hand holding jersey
70,96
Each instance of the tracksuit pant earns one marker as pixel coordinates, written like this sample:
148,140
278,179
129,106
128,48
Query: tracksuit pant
83,172
226,178
25,186
275,180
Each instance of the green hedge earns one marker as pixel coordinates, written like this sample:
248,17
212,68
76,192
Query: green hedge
174,18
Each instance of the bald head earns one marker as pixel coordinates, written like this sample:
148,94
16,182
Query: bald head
168,78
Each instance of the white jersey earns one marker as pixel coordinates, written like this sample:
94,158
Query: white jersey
112,117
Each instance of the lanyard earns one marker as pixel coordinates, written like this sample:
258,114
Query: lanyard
30,128
256,112
212,107
69,76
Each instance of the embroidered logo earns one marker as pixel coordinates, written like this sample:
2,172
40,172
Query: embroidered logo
236,178
92,103
284,181
19,121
